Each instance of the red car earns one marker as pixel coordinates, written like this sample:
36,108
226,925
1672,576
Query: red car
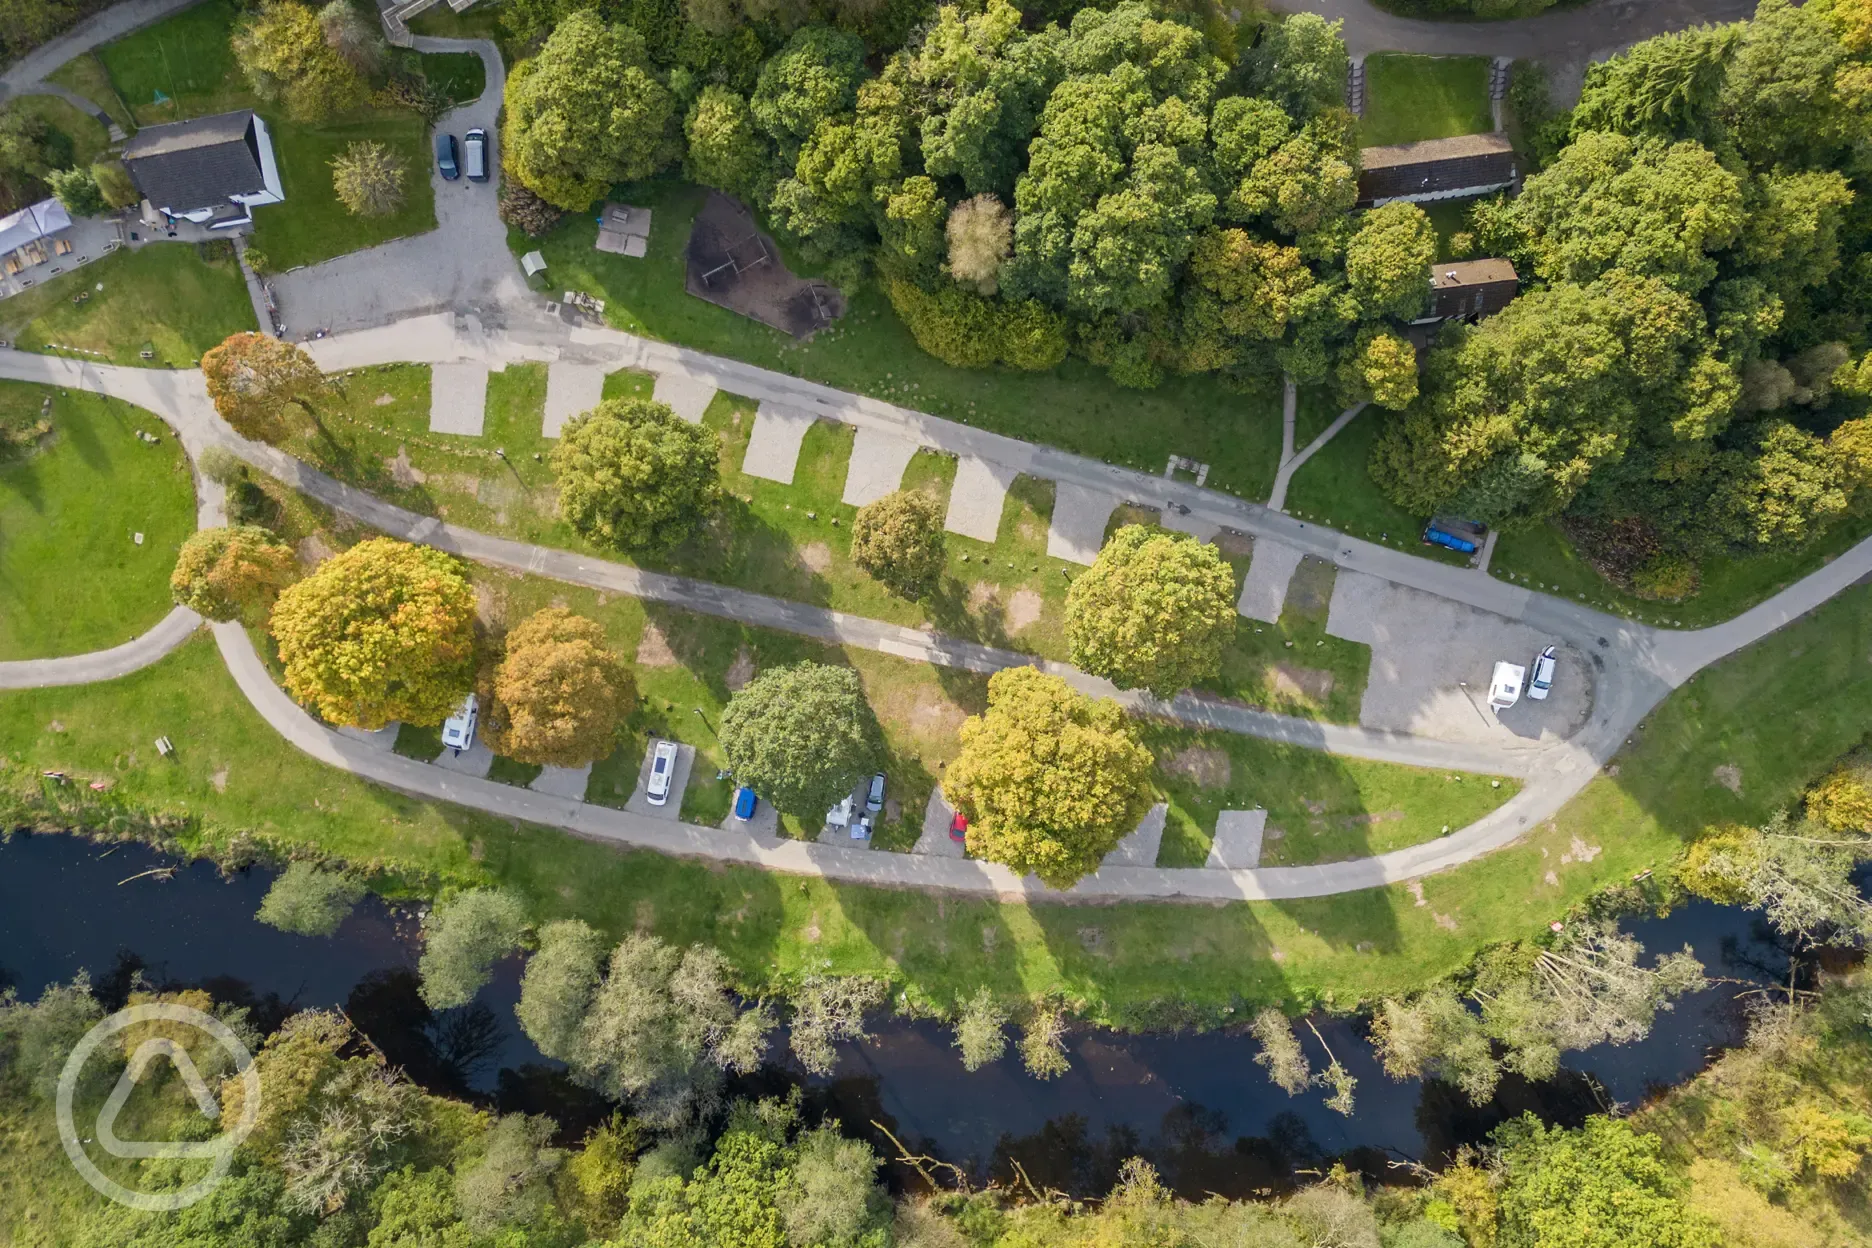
958,828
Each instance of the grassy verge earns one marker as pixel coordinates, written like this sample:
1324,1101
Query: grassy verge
1424,97
87,76
1543,558
1336,489
459,76
164,297
75,579
1294,666
89,138
234,775
869,351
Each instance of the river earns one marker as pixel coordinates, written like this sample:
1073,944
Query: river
1195,1104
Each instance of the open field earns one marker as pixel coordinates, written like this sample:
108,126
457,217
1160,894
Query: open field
72,577
164,297
1424,97
869,351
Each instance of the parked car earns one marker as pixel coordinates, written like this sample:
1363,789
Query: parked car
475,155
958,828
745,803
874,800
662,773
1541,674
447,157
1505,686
458,730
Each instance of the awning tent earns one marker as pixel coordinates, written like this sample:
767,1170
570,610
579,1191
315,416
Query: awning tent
31,223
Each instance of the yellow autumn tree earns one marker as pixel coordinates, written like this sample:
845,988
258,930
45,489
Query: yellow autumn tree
253,380
1154,612
381,632
559,693
224,573
1050,779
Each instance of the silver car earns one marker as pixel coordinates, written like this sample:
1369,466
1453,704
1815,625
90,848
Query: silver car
1541,674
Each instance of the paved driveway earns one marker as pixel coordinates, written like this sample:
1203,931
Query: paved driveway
462,265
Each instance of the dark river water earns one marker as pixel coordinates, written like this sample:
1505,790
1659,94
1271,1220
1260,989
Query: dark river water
1195,1104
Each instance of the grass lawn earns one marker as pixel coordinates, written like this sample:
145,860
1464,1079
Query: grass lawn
86,75
1424,97
1316,409
163,297
869,351
460,76
312,225
1320,808
72,578
1293,666
1121,962
184,67
1449,217
1335,488
1543,558
89,139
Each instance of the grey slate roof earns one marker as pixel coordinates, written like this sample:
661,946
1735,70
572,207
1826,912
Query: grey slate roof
187,165
1434,165
1472,287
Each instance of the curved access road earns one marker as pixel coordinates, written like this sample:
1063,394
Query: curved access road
1643,665
1576,34
85,669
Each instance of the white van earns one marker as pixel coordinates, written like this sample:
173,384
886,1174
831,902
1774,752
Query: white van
662,772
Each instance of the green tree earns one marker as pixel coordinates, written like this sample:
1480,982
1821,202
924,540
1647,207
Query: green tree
559,692
830,1196
310,899
981,1029
827,1009
636,477
368,179
417,1209
1155,611
557,989
224,573
1665,86
36,1038
381,632
283,51
1388,262
1382,368
510,1184
898,541
1301,186
1790,486
1050,779
1648,207
462,939
253,378
1240,291
1302,64
814,77
1602,1186
801,736
587,111
598,1177
78,191
725,149
114,184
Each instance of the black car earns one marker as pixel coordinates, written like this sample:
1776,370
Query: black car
446,157
475,157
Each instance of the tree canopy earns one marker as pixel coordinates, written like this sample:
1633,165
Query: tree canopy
1050,779
801,737
284,52
229,571
559,692
252,379
635,476
898,541
462,938
381,632
1155,611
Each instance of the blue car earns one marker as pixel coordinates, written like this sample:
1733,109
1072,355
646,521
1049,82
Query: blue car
446,157
744,803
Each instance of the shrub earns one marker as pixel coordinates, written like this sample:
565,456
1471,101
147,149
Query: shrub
1665,578
980,1030
78,191
1842,802
526,211
368,179
310,900
114,184
898,541
968,331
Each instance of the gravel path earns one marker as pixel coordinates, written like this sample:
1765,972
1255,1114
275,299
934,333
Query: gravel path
689,397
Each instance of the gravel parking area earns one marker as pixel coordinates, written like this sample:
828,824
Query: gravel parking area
1425,649
1264,589
878,460
689,397
1139,849
571,390
566,782
1079,519
458,399
774,443
977,498
639,803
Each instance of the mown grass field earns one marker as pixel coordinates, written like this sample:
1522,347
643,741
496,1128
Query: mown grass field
1424,97
72,577
165,298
